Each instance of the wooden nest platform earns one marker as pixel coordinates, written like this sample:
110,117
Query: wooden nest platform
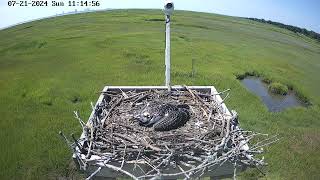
210,143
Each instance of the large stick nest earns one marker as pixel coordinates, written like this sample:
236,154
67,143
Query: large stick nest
210,137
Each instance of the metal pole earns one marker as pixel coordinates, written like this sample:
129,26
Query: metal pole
167,58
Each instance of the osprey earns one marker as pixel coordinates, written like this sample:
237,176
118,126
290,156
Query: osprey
164,117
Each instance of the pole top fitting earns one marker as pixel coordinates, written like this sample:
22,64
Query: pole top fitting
168,7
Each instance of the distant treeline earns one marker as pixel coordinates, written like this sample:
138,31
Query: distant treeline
295,29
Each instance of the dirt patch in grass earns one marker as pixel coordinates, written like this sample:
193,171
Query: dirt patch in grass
106,43
137,59
155,20
69,38
24,46
23,95
312,139
75,99
184,37
194,26
46,100
48,103
309,141
42,44
26,27
70,173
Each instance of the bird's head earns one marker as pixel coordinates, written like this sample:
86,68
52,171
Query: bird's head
145,117
150,114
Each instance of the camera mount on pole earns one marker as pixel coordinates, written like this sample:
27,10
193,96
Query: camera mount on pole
168,10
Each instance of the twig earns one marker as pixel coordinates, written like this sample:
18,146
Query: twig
91,141
124,94
124,154
78,117
235,171
65,138
111,109
182,170
94,173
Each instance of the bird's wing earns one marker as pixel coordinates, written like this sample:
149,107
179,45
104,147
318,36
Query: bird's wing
173,120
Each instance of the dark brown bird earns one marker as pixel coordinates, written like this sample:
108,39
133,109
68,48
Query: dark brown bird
164,117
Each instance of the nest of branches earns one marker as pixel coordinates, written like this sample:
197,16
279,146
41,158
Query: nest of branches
211,137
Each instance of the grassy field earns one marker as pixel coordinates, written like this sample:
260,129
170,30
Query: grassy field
49,68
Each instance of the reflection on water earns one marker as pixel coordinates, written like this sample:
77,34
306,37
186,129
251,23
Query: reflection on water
274,102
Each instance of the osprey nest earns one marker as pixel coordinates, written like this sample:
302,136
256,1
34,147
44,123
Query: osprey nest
165,134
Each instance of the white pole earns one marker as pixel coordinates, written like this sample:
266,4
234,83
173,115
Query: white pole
167,58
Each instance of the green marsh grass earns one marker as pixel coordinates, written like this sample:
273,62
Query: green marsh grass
51,67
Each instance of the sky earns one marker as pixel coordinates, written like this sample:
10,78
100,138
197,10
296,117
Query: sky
301,13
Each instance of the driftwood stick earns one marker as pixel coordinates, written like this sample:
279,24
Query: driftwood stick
139,99
263,141
92,106
91,141
135,163
195,96
124,94
77,116
132,97
111,109
222,92
235,171
184,172
225,98
266,144
124,154
65,138
146,144
76,142
94,173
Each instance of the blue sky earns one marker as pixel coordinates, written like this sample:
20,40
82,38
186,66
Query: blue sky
302,13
